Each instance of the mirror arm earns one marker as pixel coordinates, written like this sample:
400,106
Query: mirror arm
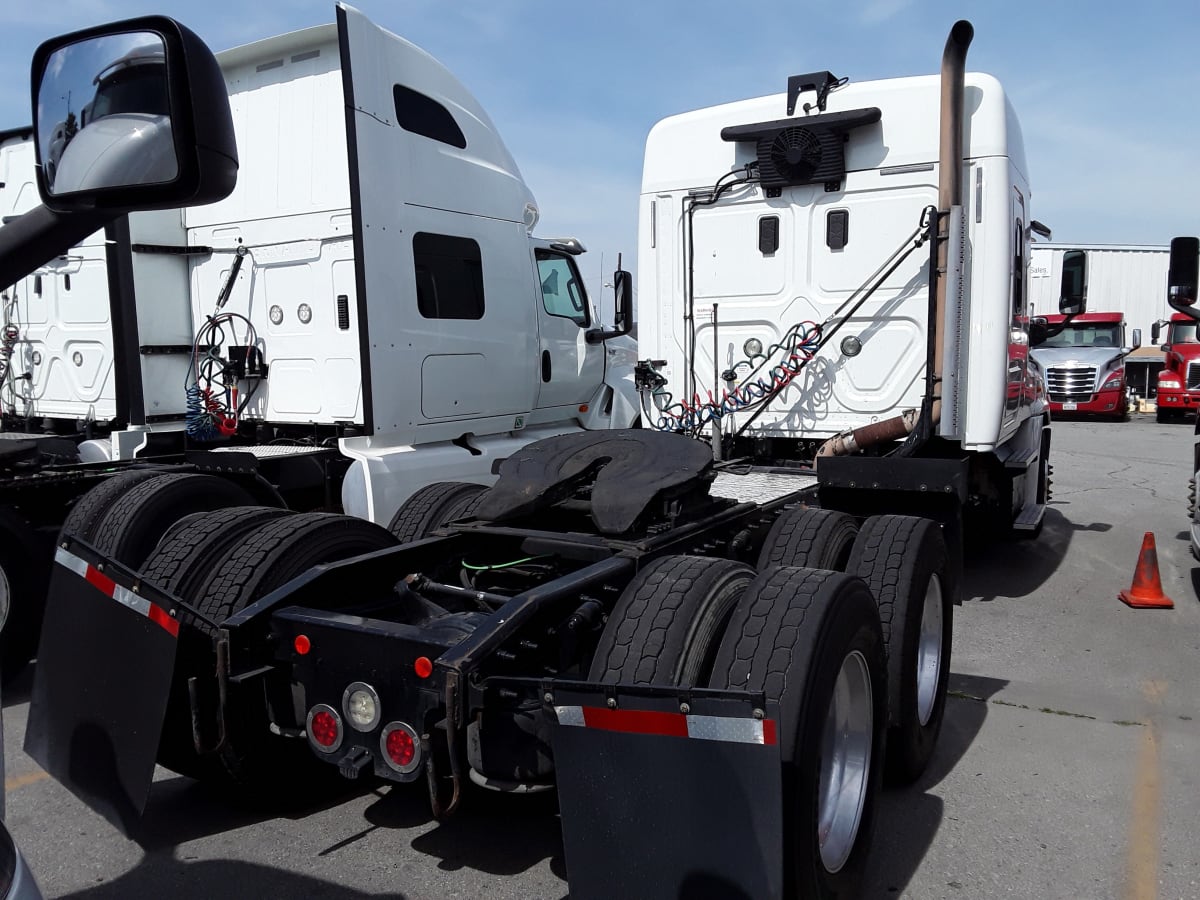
600,335
32,240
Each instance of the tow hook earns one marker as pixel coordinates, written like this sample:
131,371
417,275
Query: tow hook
354,762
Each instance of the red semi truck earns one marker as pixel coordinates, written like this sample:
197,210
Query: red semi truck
1084,363
1179,381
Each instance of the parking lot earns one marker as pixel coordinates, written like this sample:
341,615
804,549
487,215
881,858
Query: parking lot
1067,766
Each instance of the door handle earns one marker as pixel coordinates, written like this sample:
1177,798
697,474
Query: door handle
545,365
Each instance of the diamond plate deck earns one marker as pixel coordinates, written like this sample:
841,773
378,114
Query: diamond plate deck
760,487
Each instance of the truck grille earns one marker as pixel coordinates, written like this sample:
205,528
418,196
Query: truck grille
1070,384
1193,376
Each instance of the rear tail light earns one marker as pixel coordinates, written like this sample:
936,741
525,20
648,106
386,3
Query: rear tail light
401,747
324,728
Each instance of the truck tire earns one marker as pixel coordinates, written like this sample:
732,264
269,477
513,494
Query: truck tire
811,641
92,505
904,562
255,759
192,546
25,564
668,622
183,559
433,506
139,517
809,538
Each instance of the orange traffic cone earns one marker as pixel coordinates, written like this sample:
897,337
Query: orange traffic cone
1147,592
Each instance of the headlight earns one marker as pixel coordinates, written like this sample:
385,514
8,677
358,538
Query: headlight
361,705
1170,382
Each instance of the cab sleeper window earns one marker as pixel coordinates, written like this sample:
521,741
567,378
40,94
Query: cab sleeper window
562,290
425,116
449,276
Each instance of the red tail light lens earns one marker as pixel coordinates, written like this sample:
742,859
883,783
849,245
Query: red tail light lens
401,747
324,728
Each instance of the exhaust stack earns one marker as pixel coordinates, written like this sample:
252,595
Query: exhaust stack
950,156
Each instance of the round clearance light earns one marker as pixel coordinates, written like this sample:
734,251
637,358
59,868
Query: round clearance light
37,357
400,747
304,312
302,644
324,728
423,666
851,346
361,705
77,358
276,314
752,348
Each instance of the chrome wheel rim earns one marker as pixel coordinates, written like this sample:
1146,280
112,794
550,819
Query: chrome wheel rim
845,762
929,651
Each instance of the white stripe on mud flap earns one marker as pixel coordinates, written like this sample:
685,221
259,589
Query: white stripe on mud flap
70,561
733,730
722,728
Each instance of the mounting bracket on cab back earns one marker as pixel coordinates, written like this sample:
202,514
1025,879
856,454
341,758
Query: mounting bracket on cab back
821,82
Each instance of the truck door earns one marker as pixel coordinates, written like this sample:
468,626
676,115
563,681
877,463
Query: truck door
569,368
1017,394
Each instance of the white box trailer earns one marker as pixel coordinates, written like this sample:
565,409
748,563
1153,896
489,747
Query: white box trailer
1125,278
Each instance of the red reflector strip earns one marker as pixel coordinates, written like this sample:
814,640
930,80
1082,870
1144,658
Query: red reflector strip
706,728
114,591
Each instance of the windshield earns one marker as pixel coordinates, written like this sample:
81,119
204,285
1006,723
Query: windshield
1183,333
1089,334
137,89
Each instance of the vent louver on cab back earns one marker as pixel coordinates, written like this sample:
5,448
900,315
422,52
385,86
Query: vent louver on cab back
808,150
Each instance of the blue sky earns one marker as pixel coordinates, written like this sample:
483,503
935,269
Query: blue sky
1106,93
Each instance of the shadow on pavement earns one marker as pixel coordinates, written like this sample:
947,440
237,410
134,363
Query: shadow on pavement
181,810
159,875
1018,568
499,834
909,817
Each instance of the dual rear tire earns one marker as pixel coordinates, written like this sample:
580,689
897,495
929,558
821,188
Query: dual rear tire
811,641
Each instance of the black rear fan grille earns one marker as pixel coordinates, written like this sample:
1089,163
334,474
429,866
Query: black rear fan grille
800,156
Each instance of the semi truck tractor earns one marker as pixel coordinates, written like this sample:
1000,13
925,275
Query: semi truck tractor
253,350
1084,364
1183,277
754,592
1179,380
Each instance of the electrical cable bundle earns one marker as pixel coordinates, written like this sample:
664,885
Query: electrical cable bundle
798,346
213,408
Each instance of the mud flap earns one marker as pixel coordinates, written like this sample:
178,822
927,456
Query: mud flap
100,688
656,802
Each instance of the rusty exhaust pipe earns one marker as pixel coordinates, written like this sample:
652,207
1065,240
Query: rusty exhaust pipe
950,187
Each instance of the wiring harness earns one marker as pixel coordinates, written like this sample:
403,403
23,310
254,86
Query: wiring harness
213,405
765,380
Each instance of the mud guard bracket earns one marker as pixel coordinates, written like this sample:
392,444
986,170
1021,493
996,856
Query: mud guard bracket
100,690
657,802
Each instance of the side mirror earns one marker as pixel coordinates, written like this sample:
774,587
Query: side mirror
1183,273
1165,348
623,288
1038,330
1073,296
132,115
1137,339
1155,331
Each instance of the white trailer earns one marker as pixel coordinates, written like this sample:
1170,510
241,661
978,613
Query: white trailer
1122,278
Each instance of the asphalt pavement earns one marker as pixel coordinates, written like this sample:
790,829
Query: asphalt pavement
1068,766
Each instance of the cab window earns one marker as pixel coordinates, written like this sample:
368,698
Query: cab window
562,289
